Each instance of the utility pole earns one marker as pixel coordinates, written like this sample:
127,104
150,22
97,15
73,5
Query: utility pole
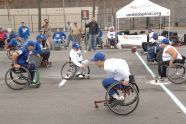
39,14
94,6
64,16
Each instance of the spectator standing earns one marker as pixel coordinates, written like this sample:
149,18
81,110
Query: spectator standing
69,34
76,33
93,31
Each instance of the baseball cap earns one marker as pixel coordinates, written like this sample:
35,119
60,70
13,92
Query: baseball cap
155,36
39,37
30,43
75,45
99,56
165,41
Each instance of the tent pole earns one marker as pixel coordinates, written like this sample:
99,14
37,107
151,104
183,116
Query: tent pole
160,24
169,26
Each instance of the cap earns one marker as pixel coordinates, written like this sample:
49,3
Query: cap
30,43
98,57
155,36
165,41
39,37
75,45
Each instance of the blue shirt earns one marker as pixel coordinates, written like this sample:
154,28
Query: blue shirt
14,43
38,47
24,32
43,36
23,56
59,35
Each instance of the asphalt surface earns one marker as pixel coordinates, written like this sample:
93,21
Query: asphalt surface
73,103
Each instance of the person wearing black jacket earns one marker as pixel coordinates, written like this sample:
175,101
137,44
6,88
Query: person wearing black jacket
93,31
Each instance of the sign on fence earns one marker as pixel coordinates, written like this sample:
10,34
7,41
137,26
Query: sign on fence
131,39
84,14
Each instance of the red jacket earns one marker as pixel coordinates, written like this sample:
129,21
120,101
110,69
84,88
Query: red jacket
2,35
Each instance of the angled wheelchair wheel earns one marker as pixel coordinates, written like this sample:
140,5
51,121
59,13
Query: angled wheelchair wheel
17,79
10,52
68,70
129,102
176,74
34,59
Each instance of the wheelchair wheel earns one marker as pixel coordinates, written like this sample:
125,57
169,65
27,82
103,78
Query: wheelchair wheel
10,53
176,74
68,70
34,59
128,104
17,79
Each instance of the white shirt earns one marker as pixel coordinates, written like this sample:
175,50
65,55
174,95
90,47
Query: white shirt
111,35
117,69
76,57
166,56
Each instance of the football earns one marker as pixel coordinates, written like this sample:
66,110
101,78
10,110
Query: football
133,49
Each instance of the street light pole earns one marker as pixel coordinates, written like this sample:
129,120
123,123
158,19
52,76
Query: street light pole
64,16
39,14
94,5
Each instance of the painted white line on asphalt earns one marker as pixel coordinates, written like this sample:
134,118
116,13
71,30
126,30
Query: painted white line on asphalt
62,83
173,97
158,82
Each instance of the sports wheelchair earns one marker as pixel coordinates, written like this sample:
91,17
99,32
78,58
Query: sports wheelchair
20,78
130,96
59,43
38,61
11,51
69,70
176,74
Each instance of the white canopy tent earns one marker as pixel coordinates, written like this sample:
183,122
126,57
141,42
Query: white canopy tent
142,8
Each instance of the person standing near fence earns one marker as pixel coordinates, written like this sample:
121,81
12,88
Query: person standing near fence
24,33
76,33
69,34
45,26
93,31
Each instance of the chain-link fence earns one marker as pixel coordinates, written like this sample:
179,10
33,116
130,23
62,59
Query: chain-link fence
105,19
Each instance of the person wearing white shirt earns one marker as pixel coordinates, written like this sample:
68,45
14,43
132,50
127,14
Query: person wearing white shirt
170,56
117,70
77,58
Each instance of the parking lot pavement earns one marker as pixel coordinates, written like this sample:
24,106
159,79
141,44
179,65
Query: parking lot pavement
73,102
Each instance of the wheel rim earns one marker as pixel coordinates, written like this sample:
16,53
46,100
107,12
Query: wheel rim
126,106
176,74
68,70
17,80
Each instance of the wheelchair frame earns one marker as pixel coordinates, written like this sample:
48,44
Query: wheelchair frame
74,72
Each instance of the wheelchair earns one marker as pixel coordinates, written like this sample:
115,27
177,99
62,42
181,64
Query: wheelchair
59,44
176,74
19,78
112,42
69,70
11,51
130,99
38,61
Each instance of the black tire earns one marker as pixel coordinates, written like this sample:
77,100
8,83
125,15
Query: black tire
17,79
71,69
176,74
121,107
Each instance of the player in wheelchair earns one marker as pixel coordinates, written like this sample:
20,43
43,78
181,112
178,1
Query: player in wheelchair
21,57
13,45
171,59
43,53
111,38
59,39
118,83
77,66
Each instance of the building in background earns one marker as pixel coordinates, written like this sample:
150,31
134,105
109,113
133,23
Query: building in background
14,11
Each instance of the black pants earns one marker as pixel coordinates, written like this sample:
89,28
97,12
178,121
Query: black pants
45,54
44,43
162,67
